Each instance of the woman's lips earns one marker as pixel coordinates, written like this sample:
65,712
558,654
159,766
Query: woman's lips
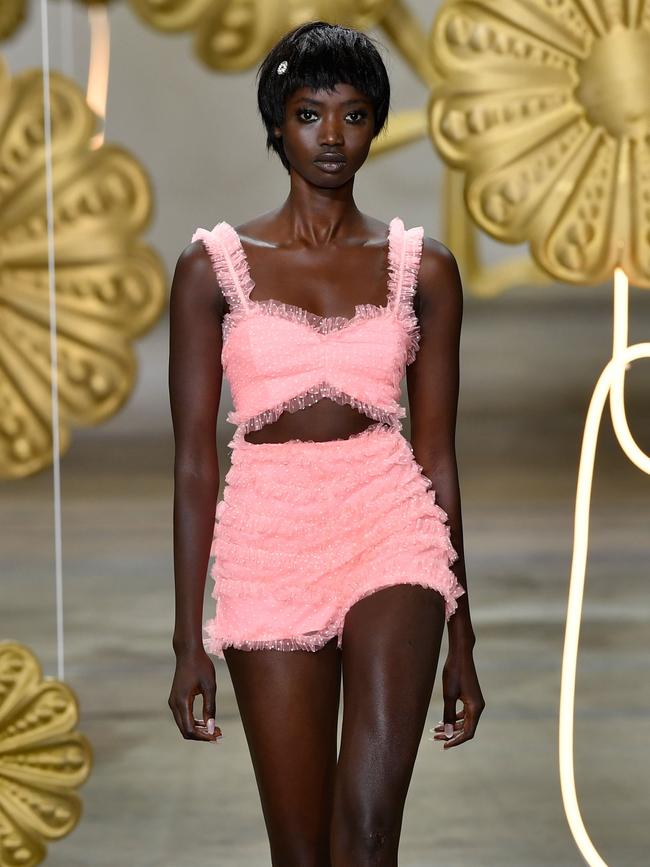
330,165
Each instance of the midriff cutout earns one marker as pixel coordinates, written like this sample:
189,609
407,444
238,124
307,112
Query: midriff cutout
321,422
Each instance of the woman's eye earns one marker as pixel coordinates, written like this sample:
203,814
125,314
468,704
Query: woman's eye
360,114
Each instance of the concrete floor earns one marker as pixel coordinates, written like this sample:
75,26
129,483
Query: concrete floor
155,800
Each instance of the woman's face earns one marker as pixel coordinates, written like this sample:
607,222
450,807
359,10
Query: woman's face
318,123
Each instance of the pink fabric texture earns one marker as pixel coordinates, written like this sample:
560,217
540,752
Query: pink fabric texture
280,358
307,528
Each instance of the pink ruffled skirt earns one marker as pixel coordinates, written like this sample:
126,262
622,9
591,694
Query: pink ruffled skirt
305,529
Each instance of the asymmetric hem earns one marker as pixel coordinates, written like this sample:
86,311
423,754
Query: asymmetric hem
215,644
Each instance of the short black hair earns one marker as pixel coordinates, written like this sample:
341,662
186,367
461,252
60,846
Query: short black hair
320,55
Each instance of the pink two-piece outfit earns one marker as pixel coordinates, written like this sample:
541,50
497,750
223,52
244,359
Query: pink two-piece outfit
307,528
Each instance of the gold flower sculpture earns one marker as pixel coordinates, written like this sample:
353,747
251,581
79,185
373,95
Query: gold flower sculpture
41,758
545,105
232,35
110,287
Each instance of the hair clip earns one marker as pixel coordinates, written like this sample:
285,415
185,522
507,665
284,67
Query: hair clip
282,67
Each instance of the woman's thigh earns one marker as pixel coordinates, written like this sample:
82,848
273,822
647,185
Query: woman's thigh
391,645
288,702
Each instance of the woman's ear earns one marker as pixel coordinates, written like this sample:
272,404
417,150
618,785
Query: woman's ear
277,132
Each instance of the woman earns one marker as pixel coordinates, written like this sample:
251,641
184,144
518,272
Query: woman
332,556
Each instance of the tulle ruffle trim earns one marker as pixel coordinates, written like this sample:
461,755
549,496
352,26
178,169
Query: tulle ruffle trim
270,538
403,262
404,265
229,262
311,396
301,316
214,642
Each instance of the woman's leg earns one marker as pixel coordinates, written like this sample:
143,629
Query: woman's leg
288,702
391,644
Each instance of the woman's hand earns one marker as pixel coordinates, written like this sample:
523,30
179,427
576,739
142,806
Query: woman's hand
459,682
195,676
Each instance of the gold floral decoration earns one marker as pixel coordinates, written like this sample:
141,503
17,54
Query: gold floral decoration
41,758
545,105
231,35
110,287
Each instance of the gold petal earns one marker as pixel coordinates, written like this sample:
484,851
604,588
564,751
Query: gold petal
171,15
101,194
20,673
514,36
593,229
476,119
22,134
125,291
601,16
235,34
639,246
506,200
20,848
59,761
50,813
96,365
47,711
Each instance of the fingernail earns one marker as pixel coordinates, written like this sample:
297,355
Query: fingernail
449,730
211,726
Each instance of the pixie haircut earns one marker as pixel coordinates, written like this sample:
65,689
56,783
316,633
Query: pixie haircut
320,55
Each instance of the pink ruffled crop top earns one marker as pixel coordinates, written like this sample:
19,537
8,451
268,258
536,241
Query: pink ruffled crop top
279,358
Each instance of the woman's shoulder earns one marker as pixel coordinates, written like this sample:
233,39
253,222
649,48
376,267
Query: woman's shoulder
439,275
210,248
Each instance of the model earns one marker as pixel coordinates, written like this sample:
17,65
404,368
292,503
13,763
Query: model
335,537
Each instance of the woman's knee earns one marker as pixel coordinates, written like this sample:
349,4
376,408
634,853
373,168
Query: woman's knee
363,833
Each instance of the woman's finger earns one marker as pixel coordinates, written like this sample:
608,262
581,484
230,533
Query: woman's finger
199,724
189,728
440,727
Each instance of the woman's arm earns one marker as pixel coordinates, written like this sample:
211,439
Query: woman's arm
195,375
433,387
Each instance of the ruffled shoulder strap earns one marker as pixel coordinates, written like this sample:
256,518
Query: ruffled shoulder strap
404,256
229,262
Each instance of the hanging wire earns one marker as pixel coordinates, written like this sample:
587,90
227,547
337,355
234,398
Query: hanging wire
54,363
